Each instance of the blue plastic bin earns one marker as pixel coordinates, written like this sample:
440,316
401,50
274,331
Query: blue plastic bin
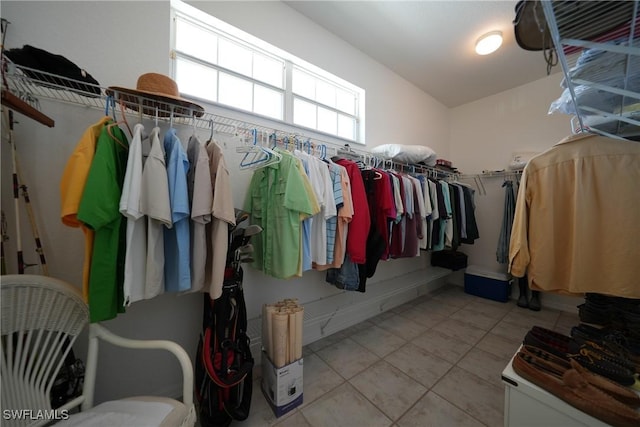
487,284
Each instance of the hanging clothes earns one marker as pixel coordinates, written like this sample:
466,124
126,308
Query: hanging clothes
456,218
502,253
471,226
381,207
349,274
136,237
155,204
361,222
344,217
462,214
438,225
434,219
398,227
320,179
420,210
346,277
222,216
379,201
200,190
177,265
74,179
448,222
278,199
428,212
338,201
306,263
99,210
576,221
410,225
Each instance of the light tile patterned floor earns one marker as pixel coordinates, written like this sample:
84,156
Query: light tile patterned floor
435,361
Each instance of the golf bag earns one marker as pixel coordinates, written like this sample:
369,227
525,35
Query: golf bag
224,364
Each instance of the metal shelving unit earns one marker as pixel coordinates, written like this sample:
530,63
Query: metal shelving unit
32,86
601,65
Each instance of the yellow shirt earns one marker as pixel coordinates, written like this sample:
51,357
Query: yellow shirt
577,220
72,185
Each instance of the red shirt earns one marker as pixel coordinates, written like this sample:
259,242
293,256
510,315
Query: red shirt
361,222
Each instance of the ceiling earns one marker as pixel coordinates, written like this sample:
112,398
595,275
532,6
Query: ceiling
431,43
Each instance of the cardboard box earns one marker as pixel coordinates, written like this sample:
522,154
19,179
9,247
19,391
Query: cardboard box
282,387
487,284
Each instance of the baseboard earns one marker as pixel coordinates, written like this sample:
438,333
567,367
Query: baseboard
561,302
340,311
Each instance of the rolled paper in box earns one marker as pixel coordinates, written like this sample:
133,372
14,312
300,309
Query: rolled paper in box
299,321
280,341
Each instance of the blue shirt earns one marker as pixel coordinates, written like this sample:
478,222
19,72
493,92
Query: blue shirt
332,223
177,274
306,232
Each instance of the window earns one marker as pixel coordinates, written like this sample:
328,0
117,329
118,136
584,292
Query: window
218,63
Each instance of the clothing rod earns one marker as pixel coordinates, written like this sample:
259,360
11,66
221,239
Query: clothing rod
27,82
492,174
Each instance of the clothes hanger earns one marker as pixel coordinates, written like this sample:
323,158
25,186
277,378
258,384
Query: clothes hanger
257,156
112,103
210,134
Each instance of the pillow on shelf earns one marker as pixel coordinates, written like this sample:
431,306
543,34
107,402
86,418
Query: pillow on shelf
406,153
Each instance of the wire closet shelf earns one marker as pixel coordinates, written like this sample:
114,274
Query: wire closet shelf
33,85
598,47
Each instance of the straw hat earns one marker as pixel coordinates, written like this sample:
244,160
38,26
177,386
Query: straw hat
156,90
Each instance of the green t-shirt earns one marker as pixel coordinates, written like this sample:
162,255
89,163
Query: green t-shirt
99,210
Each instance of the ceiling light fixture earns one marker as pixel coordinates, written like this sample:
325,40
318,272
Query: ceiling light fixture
489,43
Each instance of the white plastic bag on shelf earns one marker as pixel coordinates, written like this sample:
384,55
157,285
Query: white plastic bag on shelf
587,96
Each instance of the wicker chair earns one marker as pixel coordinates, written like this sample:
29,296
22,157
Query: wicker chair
41,318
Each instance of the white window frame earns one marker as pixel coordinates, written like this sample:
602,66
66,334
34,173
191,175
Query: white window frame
229,32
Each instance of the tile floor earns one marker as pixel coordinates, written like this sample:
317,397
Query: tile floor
435,361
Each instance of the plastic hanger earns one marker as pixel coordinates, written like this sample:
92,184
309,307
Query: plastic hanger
195,133
257,156
112,103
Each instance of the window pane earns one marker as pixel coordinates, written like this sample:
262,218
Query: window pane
327,121
235,92
304,84
196,41
235,57
346,127
267,102
325,93
304,113
196,80
268,70
346,101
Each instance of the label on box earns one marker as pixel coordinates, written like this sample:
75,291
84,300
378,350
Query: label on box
282,386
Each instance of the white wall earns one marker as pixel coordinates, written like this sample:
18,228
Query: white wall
396,110
484,134
118,41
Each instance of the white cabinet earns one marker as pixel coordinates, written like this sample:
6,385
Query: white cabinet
527,405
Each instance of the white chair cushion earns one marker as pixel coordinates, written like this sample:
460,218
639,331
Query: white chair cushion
142,411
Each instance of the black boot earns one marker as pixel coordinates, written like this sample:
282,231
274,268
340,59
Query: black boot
534,304
523,299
